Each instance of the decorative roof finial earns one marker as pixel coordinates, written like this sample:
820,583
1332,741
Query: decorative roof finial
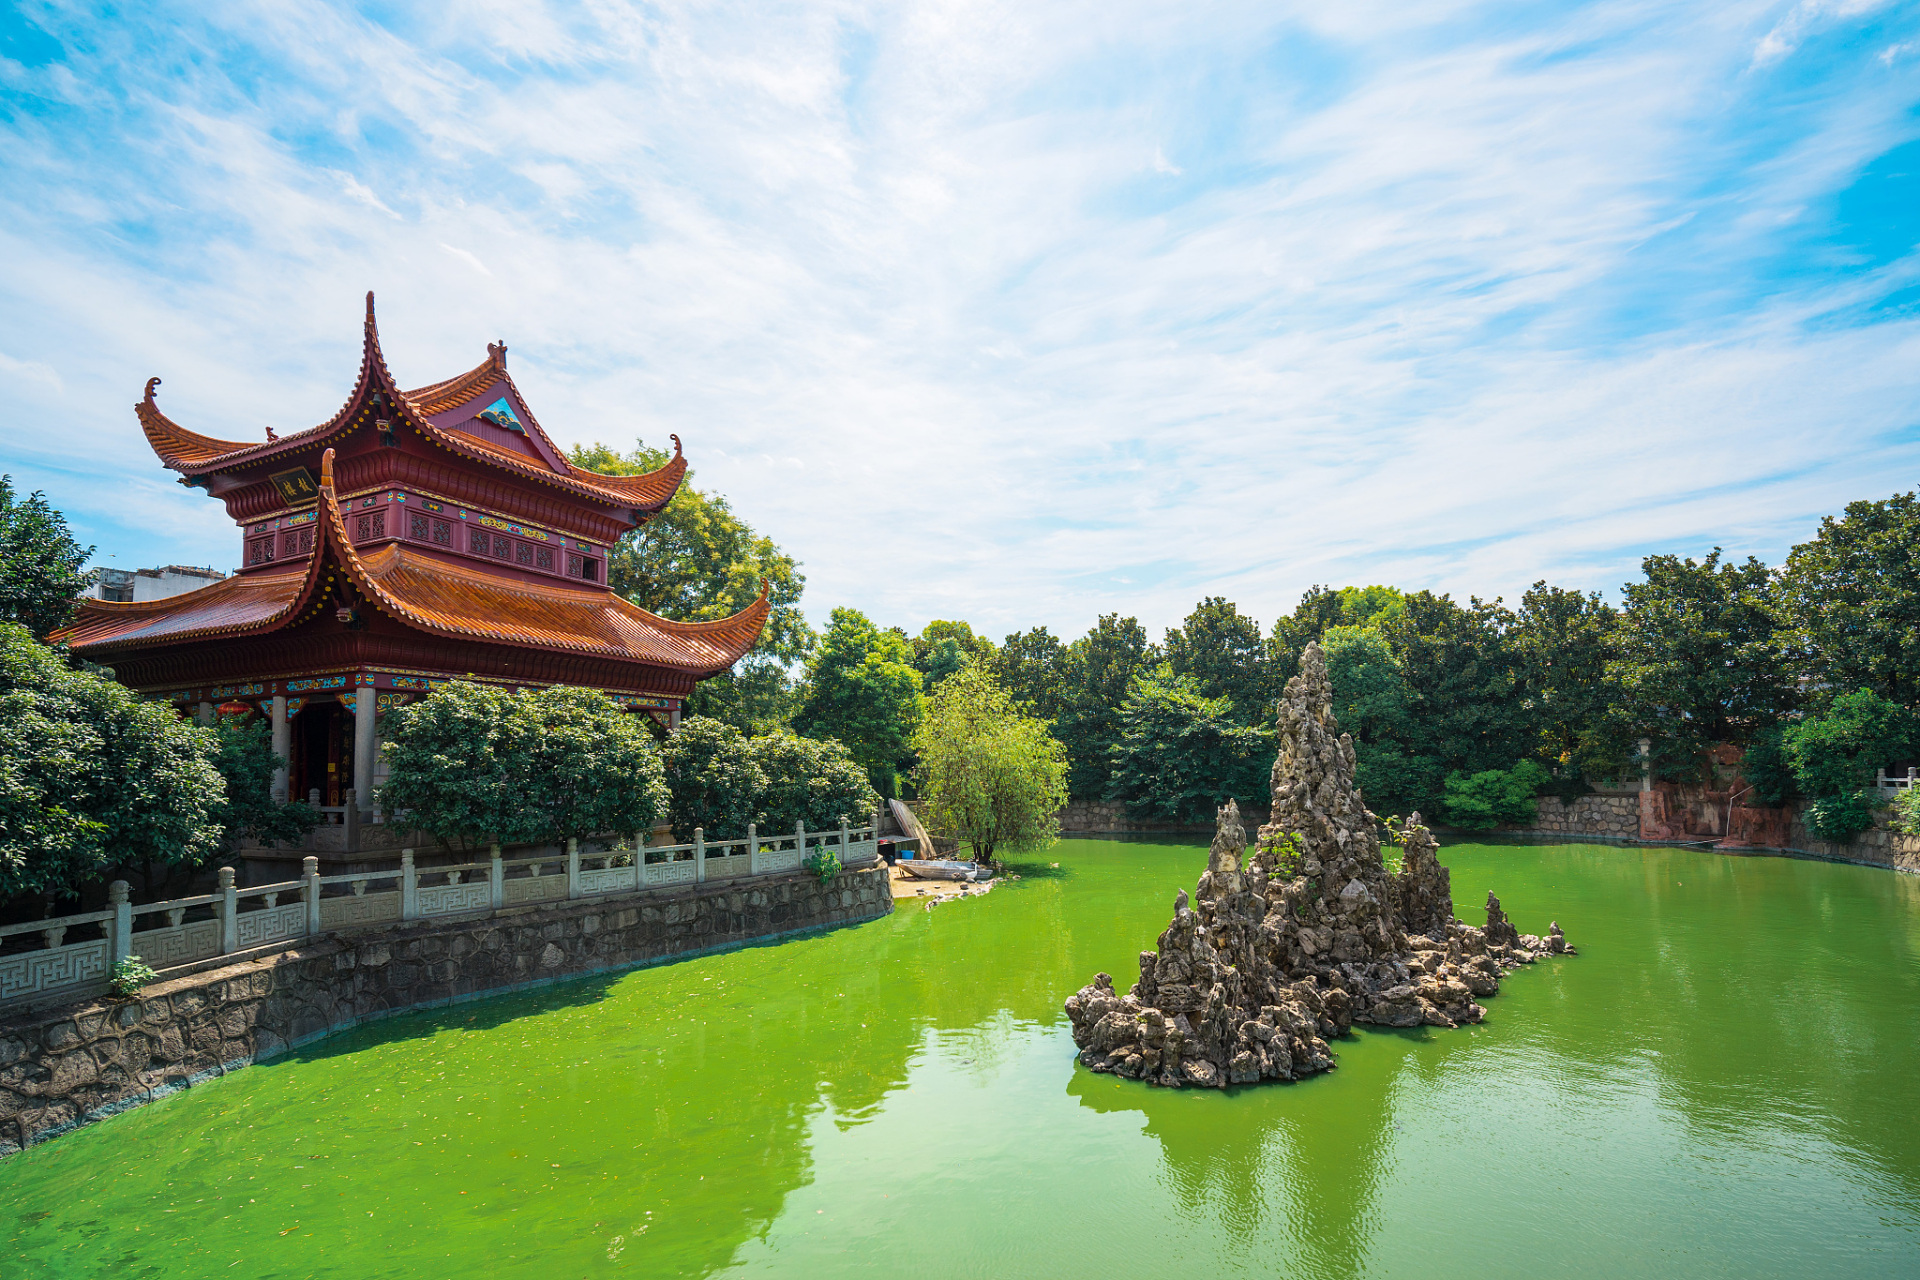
326,465
271,435
497,354
676,445
369,306
151,384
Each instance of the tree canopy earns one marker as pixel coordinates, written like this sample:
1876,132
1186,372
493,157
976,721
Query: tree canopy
40,574
862,690
1849,600
1180,754
990,773
698,560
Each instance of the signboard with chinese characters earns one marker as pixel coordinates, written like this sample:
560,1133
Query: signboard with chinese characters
295,486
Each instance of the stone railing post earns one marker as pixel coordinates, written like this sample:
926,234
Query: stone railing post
699,855
1646,764
573,867
409,887
497,877
753,848
229,908
843,840
874,838
310,891
800,839
120,928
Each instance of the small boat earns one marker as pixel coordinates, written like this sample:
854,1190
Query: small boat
932,869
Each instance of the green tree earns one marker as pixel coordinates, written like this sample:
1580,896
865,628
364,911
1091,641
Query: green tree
1494,797
93,778
942,648
40,574
1695,659
1561,642
1034,667
1220,649
1321,607
459,762
1836,753
1375,606
713,779
698,560
1181,754
244,756
1465,715
1101,667
812,782
1372,702
1849,600
594,768
989,773
863,691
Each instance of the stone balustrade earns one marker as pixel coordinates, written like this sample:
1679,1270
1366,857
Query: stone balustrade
234,921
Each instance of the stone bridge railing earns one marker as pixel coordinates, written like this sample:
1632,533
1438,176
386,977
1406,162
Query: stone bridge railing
235,921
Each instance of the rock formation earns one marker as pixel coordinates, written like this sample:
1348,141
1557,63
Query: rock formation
1280,952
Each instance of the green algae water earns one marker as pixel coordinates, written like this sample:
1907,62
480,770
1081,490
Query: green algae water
1722,1083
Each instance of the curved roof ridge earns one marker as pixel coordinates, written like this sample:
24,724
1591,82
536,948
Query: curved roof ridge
173,444
104,620
728,639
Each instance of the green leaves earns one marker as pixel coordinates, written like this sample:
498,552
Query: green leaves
1181,753
40,573
990,773
863,691
92,777
1494,797
1849,600
473,764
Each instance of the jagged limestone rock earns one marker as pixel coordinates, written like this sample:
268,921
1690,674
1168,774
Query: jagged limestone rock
1278,953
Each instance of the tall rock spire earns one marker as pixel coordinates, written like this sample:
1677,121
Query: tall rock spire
1276,954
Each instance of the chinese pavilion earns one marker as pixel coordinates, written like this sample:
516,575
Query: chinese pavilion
413,538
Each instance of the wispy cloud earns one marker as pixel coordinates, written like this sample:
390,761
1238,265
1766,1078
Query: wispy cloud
1017,313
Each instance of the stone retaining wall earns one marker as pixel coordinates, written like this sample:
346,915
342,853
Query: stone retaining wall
1110,817
1614,816
68,1066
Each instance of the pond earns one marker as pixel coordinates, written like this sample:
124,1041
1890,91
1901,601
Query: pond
1720,1084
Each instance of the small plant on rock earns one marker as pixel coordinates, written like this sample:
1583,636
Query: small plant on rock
129,975
1906,812
823,862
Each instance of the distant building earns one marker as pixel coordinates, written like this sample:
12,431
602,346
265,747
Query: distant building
132,586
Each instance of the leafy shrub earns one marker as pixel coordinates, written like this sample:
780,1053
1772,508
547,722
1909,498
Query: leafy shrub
1840,818
129,975
1835,753
1767,767
1181,754
714,779
815,782
473,764
246,760
1906,812
1494,797
823,862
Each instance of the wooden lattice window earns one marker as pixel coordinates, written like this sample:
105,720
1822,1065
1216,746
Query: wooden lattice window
477,541
295,542
362,529
523,552
380,524
416,526
543,558
260,551
573,566
502,548
443,532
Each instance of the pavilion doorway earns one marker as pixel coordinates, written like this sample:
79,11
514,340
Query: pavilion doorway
322,752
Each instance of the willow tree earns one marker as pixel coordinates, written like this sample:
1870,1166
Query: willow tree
992,775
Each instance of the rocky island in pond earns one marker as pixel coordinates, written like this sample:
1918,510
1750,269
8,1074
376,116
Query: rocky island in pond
1281,952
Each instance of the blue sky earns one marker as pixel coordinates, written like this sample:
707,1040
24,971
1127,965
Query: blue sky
1012,312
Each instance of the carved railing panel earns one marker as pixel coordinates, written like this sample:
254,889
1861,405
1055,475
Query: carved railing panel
28,973
177,944
453,899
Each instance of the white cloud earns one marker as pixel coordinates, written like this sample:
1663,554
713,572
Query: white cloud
1429,306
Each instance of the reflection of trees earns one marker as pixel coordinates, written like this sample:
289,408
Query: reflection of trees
1760,993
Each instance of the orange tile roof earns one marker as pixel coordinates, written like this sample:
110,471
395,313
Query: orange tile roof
240,605
427,594
191,453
